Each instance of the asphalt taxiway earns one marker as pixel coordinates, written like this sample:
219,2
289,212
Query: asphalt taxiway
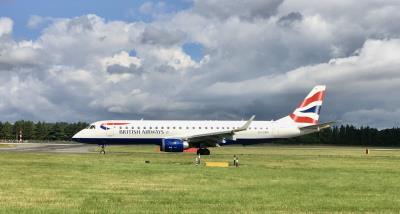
47,147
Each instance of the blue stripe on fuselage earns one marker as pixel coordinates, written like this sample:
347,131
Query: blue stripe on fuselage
157,141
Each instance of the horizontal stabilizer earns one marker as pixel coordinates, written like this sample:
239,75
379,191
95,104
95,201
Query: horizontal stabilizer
318,126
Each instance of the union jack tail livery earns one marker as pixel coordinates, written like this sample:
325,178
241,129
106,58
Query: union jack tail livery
308,111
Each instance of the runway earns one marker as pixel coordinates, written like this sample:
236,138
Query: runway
47,147
91,148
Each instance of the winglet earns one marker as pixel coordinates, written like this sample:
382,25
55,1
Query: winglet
246,125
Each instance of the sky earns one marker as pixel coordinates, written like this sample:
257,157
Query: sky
199,59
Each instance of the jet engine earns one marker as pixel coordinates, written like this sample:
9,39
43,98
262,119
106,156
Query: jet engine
173,145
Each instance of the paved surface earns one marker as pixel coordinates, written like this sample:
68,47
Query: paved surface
48,147
89,148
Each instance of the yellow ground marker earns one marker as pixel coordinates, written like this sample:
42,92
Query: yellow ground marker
217,164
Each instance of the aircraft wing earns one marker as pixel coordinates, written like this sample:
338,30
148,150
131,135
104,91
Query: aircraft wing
317,127
216,136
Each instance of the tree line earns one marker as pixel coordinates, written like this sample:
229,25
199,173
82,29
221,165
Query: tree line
337,135
351,135
39,130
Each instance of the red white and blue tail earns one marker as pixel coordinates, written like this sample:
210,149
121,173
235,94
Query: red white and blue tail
308,111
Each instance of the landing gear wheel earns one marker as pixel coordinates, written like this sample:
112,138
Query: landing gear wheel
203,151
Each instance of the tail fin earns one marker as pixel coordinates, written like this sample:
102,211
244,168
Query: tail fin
308,111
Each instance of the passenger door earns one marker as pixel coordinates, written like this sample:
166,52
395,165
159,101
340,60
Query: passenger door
110,131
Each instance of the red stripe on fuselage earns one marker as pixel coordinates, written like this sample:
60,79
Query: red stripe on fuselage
319,96
114,124
299,119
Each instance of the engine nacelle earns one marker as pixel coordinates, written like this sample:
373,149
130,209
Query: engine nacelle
173,145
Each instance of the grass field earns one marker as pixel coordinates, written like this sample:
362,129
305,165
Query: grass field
270,179
6,145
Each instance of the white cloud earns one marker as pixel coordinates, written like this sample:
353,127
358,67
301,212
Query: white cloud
36,21
122,59
6,26
172,57
223,9
152,8
377,59
15,55
261,57
367,80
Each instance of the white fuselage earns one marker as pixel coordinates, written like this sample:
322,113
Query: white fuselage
174,135
144,131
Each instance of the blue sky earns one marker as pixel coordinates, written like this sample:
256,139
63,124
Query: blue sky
125,10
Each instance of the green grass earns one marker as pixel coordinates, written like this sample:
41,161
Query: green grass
6,145
270,180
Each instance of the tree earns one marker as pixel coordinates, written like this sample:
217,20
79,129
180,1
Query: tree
40,131
7,131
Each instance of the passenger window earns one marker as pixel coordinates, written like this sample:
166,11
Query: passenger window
162,127
138,127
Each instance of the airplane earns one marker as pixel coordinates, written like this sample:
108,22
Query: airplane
179,135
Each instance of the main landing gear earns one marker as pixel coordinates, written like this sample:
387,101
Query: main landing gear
203,151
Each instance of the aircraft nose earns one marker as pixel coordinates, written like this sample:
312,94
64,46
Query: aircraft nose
77,136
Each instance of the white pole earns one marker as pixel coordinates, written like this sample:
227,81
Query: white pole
20,136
